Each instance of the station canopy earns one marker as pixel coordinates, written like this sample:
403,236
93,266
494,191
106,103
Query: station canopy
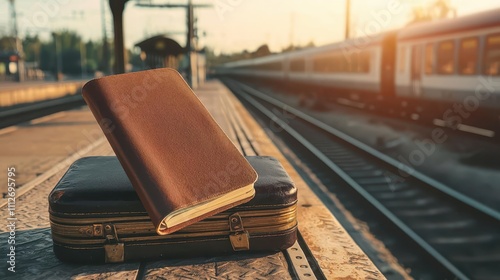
161,45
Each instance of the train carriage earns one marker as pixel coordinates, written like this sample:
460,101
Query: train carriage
445,72
452,65
351,68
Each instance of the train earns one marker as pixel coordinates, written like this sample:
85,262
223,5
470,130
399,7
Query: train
445,72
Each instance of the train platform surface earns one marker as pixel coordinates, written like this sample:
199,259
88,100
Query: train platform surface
12,93
43,149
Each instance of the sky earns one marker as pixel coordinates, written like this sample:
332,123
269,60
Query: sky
229,25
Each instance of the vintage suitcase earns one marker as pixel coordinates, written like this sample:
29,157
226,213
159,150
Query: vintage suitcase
96,217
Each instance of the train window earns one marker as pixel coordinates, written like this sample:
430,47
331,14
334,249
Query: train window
402,59
364,62
343,63
297,65
273,66
492,56
337,63
445,57
467,56
353,62
319,64
324,64
429,59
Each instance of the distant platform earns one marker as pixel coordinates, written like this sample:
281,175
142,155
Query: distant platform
12,94
43,149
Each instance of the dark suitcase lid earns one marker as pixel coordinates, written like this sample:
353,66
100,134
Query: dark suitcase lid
99,186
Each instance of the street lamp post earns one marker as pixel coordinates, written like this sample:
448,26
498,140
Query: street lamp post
347,18
105,45
19,45
83,59
59,69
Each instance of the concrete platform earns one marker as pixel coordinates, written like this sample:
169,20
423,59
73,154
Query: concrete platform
12,94
64,138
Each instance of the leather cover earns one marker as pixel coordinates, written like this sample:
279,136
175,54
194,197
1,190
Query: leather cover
171,148
97,188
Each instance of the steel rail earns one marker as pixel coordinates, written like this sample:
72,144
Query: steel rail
377,154
342,174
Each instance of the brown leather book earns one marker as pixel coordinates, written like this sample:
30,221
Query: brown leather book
180,162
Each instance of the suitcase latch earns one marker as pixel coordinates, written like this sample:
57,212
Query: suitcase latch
239,237
114,251
97,230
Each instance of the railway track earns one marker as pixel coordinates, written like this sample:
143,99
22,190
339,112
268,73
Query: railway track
456,233
27,112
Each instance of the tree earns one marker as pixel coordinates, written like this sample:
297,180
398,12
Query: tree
298,47
32,48
70,43
7,44
93,53
135,59
289,48
262,51
439,9
310,44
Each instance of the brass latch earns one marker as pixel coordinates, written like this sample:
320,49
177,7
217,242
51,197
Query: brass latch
239,237
94,230
97,230
114,251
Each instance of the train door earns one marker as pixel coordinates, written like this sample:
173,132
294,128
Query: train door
286,68
388,65
416,70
